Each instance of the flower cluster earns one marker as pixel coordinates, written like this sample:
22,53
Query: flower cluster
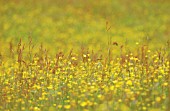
83,82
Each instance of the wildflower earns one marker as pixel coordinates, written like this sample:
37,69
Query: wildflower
119,100
59,106
50,87
36,109
84,55
144,108
157,99
101,97
165,84
164,97
111,88
23,108
59,93
83,104
73,58
148,51
67,106
148,105
129,82
160,76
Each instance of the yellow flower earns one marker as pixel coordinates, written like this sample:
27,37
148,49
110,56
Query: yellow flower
59,106
160,76
129,82
157,99
84,55
67,106
119,100
101,97
111,88
148,51
144,108
73,58
83,104
50,87
23,108
59,93
165,84
36,109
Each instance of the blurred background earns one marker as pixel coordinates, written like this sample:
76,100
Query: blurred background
62,25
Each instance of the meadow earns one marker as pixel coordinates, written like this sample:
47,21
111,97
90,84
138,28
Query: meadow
77,55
